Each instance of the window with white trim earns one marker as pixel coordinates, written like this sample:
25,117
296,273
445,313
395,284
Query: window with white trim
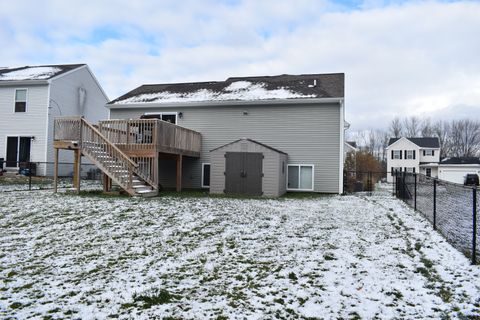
165,116
205,175
396,169
20,100
410,169
428,152
397,154
410,154
300,177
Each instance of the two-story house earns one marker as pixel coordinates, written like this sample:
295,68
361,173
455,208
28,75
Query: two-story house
259,135
420,155
30,98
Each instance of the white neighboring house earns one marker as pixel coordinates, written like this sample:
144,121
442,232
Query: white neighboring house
349,146
456,168
420,155
30,98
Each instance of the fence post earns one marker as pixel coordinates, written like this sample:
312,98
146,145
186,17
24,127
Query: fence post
415,196
434,204
404,188
474,242
29,175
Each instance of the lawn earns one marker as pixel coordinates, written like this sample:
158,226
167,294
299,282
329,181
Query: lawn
200,257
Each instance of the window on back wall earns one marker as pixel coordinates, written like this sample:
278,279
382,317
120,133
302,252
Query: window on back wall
428,152
396,154
165,116
20,100
205,175
410,154
300,177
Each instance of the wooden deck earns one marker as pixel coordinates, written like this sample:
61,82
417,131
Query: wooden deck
140,141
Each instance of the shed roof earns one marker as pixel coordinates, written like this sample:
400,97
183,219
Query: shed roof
460,160
251,140
41,72
424,142
305,86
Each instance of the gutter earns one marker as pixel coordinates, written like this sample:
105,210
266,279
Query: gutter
211,103
23,82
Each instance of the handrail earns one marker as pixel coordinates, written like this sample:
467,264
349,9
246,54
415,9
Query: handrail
127,158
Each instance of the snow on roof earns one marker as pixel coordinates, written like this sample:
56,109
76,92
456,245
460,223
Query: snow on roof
34,72
240,89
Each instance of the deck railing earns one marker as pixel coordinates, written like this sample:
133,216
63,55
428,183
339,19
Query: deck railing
151,134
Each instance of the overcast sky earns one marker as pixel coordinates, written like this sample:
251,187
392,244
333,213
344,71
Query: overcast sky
399,57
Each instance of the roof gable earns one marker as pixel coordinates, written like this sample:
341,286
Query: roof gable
309,86
251,140
425,142
32,73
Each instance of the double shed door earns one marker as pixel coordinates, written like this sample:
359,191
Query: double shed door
243,173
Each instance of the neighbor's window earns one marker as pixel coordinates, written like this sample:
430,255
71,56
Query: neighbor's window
205,175
410,154
410,169
165,116
397,154
428,152
300,177
396,169
21,100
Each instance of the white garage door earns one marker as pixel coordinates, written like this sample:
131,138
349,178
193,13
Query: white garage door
454,175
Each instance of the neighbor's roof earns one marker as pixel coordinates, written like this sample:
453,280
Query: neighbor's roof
352,143
240,89
43,72
461,160
429,142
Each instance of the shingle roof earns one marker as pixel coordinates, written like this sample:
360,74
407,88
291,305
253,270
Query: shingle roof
427,142
240,89
352,143
43,72
461,160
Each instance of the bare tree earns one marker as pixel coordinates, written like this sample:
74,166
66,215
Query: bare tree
441,129
465,138
396,128
412,126
426,128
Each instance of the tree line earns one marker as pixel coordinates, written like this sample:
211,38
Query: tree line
458,138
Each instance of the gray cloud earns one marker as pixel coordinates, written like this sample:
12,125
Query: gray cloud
418,58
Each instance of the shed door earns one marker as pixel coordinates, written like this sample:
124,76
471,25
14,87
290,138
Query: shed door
243,173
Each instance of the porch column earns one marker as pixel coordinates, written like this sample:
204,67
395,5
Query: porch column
55,170
179,172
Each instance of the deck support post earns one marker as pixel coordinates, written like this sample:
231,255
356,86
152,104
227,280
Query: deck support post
55,170
179,172
76,170
106,183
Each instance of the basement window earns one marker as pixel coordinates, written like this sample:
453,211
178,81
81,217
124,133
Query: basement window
300,177
205,175
20,100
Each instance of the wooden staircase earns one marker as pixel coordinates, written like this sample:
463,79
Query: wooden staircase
75,133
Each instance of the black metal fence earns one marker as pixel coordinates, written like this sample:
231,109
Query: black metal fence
25,176
451,208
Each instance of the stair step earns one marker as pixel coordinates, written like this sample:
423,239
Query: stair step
148,194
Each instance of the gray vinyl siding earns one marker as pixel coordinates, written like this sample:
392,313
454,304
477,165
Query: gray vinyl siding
271,167
31,123
64,95
308,133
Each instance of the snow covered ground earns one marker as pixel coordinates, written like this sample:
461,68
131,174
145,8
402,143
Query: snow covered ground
326,257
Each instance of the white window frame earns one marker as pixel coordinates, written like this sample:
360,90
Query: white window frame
397,154
15,100
203,171
409,155
428,152
18,148
298,166
164,113
409,169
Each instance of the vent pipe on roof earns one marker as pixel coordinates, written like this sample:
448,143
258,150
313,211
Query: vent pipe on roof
314,84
